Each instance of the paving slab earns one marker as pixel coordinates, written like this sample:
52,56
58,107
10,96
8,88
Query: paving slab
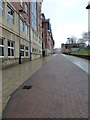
59,90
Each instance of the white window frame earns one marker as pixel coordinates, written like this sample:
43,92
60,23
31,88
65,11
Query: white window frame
11,48
1,7
26,51
22,50
21,3
26,29
10,18
2,46
21,25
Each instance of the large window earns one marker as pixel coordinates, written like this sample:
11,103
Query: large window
21,25
34,15
26,29
1,7
10,48
26,51
21,3
10,15
22,50
26,8
1,47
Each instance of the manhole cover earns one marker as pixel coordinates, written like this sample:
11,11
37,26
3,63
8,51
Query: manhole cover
27,87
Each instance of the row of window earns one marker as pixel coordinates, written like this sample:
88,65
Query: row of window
11,15
11,46
36,50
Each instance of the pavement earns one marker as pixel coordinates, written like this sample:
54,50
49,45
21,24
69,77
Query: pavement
12,77
59,89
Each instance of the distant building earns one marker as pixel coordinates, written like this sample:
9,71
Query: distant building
48,42
67,48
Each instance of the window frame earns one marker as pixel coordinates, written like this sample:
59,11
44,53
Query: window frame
22,50
11,54
10,18
26,29
21,25
2,46
1,7
26,51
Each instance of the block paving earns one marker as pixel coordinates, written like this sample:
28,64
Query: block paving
59,90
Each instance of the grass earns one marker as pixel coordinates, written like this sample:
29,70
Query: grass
82,52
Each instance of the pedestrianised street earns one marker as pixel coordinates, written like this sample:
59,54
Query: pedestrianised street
59,89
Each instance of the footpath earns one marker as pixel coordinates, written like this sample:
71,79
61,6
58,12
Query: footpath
59,89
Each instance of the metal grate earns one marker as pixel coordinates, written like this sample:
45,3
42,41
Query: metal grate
27,87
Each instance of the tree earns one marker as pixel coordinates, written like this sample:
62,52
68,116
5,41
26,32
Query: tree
71,40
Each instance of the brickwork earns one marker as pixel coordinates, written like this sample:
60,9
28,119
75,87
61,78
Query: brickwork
59,90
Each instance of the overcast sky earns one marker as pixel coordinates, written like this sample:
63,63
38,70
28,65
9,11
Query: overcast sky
68,18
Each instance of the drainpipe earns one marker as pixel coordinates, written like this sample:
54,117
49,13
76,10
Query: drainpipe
29,30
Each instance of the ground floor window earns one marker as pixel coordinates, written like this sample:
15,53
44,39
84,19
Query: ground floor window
26,51
10,48
22,50
1,47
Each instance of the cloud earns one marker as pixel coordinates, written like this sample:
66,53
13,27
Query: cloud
69,3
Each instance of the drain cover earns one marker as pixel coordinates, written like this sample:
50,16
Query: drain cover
27,87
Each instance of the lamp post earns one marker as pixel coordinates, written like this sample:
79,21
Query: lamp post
88,7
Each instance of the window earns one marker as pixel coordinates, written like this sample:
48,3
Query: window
26,29
21,25
10,15
1,47
34,15
26,8
10,48
26,51
22,50
1,7
21,3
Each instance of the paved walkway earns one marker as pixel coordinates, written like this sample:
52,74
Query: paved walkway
13,77
59,90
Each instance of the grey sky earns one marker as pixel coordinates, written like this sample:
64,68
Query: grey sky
68,18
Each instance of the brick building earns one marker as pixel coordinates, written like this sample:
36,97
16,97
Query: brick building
48,42
20,31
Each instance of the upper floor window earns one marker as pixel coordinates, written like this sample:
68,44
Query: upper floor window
26,8
26,29
10,48
21,3
1,7
21,25
10,15
1,47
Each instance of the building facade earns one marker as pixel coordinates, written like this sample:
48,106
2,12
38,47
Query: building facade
48,42
20,31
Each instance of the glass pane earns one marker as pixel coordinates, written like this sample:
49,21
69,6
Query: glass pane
1,41
1,51
9,43
22,53
12,44
12,52
8,51
26,53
